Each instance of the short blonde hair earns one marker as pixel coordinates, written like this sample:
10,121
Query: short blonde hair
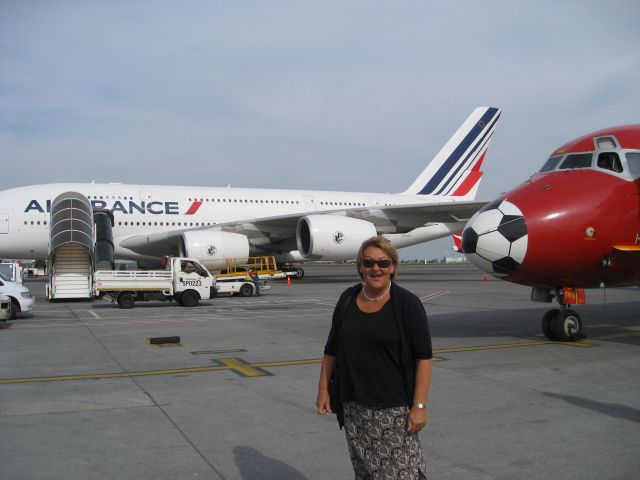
384,245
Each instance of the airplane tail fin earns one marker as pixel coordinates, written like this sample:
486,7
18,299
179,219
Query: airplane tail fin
457,242
455,170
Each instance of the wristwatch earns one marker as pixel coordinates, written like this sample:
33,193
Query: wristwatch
420,405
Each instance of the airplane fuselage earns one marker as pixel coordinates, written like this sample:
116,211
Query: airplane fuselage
157,208
574,220
576,223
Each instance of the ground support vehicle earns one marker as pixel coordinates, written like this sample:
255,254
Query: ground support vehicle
238,268
293,271
5,306
241,286
20,296
14,271
184,280
236,278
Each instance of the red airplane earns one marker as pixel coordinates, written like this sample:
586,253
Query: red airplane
573,225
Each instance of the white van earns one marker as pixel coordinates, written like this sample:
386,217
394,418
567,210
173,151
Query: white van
21,299
5,302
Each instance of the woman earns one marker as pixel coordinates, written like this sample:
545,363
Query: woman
380,347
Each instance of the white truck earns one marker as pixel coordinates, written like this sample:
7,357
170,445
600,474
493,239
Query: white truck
184,280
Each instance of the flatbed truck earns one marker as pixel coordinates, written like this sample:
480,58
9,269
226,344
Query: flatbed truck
184,280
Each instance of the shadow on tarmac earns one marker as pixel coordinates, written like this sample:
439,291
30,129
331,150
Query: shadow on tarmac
253,465
615,410
614,323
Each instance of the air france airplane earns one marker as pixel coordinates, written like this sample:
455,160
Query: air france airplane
212,223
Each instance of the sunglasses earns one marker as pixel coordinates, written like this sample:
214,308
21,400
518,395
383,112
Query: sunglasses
369,263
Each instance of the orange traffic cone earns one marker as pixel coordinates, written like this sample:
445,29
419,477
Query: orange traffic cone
288,280
485,277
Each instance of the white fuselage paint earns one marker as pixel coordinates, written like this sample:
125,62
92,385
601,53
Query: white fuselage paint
144,209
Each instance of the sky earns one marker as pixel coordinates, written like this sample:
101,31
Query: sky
330,95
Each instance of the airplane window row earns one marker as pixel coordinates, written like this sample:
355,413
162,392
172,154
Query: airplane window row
107,197
167,224
155,224
236,200
345,204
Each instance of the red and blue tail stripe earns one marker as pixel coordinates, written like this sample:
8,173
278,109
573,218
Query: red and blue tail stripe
448,175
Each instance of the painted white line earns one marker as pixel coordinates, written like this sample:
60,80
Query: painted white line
94,314
431,296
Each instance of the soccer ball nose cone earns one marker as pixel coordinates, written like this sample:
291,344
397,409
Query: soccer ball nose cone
469,240
495,239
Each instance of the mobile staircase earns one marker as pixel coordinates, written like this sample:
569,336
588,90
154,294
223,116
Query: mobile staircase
79,238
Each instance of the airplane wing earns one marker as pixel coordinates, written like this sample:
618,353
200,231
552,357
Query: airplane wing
279,232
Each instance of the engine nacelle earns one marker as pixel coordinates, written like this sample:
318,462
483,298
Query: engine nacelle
212,247
332,237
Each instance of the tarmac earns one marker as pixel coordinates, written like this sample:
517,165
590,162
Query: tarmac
84,394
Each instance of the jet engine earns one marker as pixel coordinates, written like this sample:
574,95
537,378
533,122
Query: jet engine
332,236
211,248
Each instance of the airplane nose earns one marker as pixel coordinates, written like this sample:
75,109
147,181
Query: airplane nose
495,238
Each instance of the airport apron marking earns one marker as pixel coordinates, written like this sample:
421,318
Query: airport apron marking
244,369
433,295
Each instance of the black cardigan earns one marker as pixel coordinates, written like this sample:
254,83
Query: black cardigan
415,339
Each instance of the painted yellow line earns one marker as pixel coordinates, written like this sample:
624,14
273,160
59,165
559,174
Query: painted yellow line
99,376
511,345
244,369
215,352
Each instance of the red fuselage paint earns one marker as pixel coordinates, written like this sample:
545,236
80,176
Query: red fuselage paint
583,223
558,208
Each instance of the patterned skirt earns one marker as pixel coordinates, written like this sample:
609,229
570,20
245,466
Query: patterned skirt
379,444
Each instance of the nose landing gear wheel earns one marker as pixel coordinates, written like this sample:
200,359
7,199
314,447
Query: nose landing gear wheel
567,326
546,323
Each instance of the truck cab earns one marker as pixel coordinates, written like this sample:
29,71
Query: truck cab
191,281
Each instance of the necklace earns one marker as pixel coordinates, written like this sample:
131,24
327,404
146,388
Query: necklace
364,292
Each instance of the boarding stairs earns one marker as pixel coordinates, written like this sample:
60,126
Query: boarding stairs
79,240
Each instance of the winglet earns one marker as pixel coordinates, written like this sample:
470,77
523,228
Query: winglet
455,170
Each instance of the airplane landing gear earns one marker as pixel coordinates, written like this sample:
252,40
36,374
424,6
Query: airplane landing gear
562,325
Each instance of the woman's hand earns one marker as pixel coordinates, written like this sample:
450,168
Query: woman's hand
418,418
323,402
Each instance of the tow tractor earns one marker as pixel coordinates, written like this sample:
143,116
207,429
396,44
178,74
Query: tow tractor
235,279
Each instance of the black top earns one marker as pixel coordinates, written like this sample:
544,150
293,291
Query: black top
413,328
369,351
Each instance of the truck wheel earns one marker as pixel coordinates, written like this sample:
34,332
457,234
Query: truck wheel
299,273
189,298
14,308
126,301
246,290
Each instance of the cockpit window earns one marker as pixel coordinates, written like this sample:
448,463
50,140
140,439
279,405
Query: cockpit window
577,160
551,164
633,161
610,161
606,142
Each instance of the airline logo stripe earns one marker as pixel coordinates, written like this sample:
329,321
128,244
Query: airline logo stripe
454,179
451,182
193,208
485,124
